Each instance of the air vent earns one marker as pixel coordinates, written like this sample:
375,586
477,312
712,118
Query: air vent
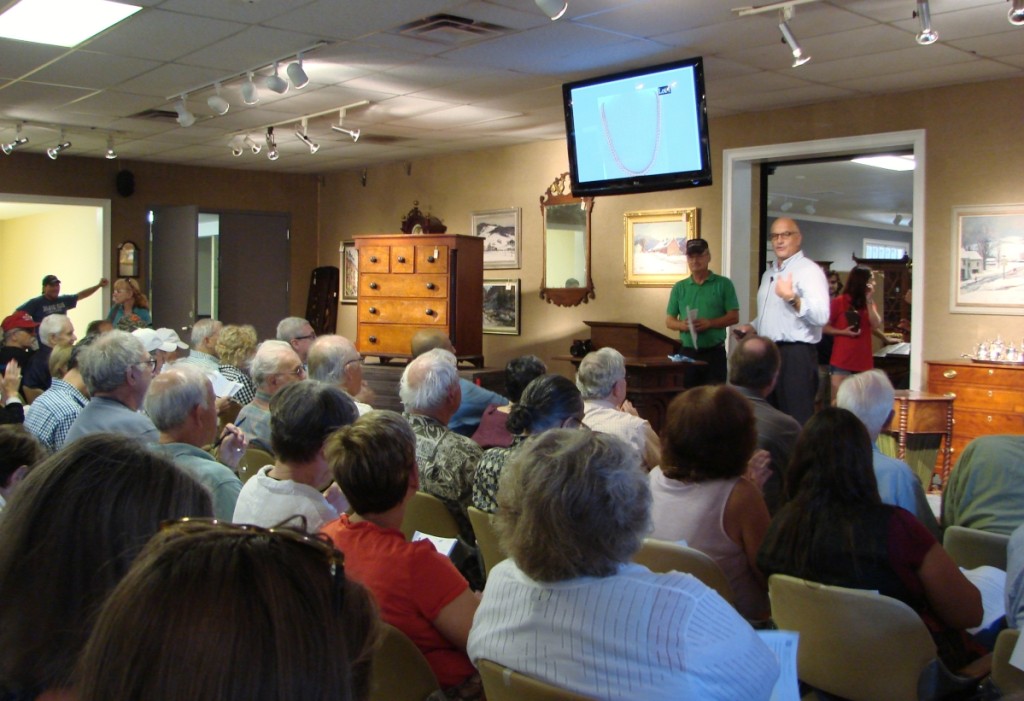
450,29
156,115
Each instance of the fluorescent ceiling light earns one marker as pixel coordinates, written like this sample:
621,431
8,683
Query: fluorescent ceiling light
887,162
61,22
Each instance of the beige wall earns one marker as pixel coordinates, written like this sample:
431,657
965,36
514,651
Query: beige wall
156,184
971,158
68,242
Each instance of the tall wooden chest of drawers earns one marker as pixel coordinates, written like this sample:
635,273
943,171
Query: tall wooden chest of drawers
411,283
988,398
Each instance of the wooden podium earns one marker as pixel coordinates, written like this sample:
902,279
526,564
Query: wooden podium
652,379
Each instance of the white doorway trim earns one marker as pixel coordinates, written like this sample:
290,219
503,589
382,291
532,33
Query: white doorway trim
738,255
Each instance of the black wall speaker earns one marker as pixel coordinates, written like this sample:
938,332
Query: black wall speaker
125,183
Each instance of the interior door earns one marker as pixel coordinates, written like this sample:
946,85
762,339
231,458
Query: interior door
172,267
255,270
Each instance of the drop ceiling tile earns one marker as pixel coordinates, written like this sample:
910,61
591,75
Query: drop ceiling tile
18,58
169,79
1008,43
881,64
454,117
38,95
165,36
355,18
649,18
88,69
922,78
963,24
256,46
248,12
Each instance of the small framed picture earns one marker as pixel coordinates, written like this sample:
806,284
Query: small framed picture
655,243
128,260
349,273
501,307
500,229
988,260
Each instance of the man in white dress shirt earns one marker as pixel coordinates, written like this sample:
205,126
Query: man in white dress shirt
792,308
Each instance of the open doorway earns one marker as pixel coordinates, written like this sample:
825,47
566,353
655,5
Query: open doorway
742,230
64,236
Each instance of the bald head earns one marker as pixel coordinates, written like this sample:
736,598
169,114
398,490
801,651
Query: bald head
754,364
785,238
428,340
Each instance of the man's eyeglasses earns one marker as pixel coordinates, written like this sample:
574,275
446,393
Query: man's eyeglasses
298,372
304,338
151,363
782,235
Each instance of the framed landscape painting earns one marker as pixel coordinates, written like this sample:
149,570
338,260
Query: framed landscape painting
988,260
655,246
500,229
501,307
349,273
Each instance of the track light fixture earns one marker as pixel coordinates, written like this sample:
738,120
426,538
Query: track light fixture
111,154
297,74
1016,13
237,145
272,153
354,133
217,103
185,118
249,94
799,57
897,220
927,35
553,8
54,151
18,141
253,145
276,82
300,132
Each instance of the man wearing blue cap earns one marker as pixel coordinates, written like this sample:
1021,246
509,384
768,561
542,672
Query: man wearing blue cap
53,302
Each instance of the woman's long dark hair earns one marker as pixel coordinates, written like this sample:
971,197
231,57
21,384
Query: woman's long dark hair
857,286
829,480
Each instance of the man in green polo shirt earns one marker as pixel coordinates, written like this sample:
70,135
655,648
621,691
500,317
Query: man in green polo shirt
714,299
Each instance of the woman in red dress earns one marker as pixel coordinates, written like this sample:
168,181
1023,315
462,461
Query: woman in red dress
852,318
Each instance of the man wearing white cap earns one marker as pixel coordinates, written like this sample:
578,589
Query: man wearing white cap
171,336
158,348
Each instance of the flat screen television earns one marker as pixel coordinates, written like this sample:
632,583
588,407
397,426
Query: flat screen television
639,130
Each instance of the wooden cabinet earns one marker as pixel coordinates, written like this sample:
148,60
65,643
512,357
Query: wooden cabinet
987,398
411,283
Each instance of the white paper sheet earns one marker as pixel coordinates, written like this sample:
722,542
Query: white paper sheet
784,644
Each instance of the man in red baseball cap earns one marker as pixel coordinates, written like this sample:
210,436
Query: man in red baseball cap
19,340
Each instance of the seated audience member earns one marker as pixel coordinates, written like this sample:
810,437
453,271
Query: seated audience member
236,346
335,360
570,608
418,590
203,355
700,494
117,371
59,359
754,366
55,410
521,371
183,407
12,411
431,393
19,453
19,343
601,378
869,396
302,416
274,367
1015,579
69,535
475,399
97,327
986,488
550,401
835,530
171,336
130,308
232,614
54,330
158,348
298,333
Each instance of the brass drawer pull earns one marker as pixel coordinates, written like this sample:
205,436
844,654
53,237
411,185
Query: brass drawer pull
949,374
373,285
373,259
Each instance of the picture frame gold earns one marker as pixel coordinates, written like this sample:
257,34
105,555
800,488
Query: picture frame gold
655,245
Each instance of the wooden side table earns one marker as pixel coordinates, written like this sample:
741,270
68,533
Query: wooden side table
922,413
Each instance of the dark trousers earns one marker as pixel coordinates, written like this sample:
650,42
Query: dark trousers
714,373
798,380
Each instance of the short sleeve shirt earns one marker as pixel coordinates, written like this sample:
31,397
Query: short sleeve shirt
41,307
712,299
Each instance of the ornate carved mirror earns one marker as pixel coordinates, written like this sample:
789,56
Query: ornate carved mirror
566,281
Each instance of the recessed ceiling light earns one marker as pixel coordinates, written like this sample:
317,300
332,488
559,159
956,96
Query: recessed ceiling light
887,162
61,22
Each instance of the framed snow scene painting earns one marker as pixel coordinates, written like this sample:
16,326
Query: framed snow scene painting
500,229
